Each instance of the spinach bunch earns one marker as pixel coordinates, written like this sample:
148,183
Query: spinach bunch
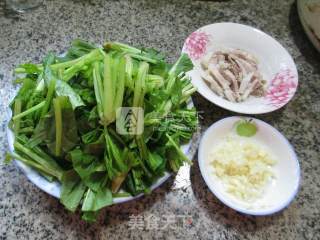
66,124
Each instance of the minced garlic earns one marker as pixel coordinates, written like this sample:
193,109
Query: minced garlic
243,166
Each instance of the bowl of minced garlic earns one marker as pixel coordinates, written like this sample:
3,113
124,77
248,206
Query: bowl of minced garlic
249,165
244,166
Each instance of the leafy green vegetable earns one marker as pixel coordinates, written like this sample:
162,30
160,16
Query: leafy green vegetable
47,167
94,201
72,190
17,110
63,135
63,89
108,93
29,111
30,68
79,48
84,164
67,126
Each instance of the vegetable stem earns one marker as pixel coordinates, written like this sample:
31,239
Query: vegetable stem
120,84
178,149
30,110
17,110
143,58
50,93
44,165
98,88
129,72
35,165
140,84
121,47
58,122
108,87
92,56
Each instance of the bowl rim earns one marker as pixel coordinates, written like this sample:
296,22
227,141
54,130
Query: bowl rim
234,107
220,196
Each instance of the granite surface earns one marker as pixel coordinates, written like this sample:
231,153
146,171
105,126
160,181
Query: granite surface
183,208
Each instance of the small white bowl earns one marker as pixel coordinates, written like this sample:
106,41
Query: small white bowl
275,64
279,193
309,14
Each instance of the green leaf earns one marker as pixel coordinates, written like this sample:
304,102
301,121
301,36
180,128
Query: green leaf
46,129
24,93
146,54
183,64
177,93
72,190
154,82
50,168
115,155
154,161
134,182
84,164
64,89
47,61
137,176
79,48
180,155
41,132
94,201
90,169
87,95
41,154
246,128
61,88
91,136
96,147
30,68
117,181
153,54
95,180
79,64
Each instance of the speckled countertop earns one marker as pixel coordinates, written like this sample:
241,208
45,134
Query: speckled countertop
28,213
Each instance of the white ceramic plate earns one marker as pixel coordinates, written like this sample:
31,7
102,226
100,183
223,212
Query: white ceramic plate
279,193
275,64
54,188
